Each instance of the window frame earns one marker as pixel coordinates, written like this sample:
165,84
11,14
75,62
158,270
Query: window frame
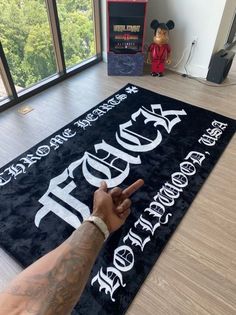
62,72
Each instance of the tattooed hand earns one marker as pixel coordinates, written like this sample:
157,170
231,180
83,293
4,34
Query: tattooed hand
54,283
113,206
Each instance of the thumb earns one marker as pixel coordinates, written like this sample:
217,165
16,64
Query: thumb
103,186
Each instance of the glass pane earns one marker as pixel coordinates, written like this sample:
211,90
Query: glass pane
3,93
26,40
77,30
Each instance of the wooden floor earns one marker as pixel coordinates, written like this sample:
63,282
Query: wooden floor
196,273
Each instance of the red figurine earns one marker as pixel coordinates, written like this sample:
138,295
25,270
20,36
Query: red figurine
159,50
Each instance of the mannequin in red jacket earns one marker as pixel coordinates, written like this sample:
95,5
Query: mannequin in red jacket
159,50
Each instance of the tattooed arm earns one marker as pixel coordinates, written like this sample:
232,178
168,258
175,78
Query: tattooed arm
54,283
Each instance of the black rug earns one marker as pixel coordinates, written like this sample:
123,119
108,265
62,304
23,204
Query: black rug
47,191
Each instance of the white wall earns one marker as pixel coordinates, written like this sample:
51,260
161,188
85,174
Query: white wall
199,19
194,19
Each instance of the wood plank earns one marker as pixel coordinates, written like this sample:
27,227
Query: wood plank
196,273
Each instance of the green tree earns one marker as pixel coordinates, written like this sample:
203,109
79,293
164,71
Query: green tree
77,28
26,38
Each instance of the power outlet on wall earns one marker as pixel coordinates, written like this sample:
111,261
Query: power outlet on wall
194,41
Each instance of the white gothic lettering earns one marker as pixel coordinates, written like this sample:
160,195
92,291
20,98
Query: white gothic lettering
152,218
212,135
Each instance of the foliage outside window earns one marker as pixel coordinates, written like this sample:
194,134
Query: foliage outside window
26,40
26,37
77,30
3,93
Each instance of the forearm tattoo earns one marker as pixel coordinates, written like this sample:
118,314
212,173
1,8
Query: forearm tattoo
55,292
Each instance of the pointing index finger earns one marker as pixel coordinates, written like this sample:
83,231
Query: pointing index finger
133,188
103,186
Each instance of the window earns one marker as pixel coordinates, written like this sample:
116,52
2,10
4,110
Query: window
77,30
41,40
3,93
232,34
26,40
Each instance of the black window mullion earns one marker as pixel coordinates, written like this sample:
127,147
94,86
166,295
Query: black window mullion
6,75
56,35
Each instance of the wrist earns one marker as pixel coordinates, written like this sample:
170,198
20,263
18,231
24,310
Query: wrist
102,215
100,224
